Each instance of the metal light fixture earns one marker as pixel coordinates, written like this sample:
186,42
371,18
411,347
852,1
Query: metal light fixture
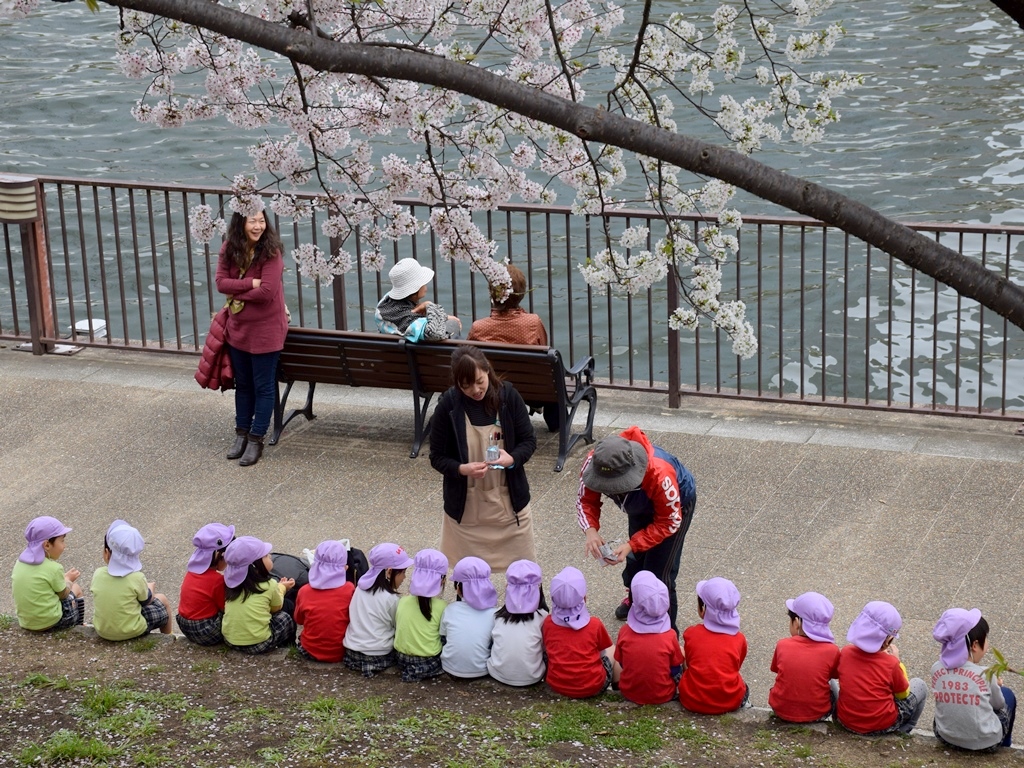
19,199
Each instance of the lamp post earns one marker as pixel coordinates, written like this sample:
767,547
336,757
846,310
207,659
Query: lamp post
21,204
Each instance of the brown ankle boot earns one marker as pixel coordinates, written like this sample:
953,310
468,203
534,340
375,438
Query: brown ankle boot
253,450
241,438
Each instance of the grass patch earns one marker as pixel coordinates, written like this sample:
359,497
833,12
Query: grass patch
102,701
65,746
695,736
580,721
6,621
642,734
199,714
144,644
206,667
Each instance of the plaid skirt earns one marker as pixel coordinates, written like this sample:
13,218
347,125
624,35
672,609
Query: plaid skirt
282,633
416,668
201,631
368,665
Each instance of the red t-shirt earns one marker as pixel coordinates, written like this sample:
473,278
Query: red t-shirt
574,657
323,614
803,668
711,683
646,661
202,595
868,683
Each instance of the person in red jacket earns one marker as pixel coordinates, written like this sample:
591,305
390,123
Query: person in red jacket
658,495
249,273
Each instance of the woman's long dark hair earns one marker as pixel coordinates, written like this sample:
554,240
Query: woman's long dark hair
267,247
466,362
255,577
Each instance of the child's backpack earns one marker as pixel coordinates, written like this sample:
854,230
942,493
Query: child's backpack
290,567
357,564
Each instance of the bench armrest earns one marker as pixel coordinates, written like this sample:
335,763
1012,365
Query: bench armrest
582,372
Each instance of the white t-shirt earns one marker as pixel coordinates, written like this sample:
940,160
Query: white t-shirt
467,645
371,622
517,651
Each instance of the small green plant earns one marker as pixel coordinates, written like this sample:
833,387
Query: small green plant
100,702
199,714
144,644
1000,667
6,621
802,751
65,746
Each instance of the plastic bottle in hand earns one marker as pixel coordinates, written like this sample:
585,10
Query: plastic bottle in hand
493,452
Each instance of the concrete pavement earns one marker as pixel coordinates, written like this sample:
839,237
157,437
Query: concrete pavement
925,512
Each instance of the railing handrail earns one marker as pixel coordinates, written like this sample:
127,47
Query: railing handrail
839,322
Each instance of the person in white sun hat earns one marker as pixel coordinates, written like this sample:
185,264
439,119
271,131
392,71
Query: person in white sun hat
403,311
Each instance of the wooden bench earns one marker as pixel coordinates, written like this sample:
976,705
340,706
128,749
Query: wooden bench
356,359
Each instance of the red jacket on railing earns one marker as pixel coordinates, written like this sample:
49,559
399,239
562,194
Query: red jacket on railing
214,370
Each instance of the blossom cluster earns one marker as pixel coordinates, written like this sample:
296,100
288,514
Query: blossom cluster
338,131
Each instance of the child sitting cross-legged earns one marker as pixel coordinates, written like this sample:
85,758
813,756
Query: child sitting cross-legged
578,646
418,618
971,711
517,641
124,605
711,682
45,597
466,624
875,696
647,652
370,637
201,602
321,607
254,617
806,663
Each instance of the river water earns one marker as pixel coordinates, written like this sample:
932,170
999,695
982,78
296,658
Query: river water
936,134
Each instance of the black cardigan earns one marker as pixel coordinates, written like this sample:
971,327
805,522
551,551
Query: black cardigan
448,447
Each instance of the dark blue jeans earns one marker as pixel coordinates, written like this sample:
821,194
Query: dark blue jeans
255,389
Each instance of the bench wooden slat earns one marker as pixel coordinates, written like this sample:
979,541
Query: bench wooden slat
357,359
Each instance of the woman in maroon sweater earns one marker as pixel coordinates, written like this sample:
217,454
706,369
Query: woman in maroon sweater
250,273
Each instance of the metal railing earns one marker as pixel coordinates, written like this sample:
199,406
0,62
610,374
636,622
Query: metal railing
838,323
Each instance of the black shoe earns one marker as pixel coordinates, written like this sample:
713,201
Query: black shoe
241,440
622,610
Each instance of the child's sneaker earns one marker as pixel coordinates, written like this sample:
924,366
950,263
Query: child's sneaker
622,611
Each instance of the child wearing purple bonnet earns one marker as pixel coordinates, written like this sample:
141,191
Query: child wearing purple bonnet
418,618
578,646
45,597
970,711
467,623
648,659
322,605
517,639
714,651
806,663
370,637
201,600
875,695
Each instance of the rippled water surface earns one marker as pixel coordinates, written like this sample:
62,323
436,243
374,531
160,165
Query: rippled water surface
935,134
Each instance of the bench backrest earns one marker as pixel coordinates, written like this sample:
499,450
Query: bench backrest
352,358
536,372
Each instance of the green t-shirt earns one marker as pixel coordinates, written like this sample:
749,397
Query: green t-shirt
117,604
35,590
247,622
414,635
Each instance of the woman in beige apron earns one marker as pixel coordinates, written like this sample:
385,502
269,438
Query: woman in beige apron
486,495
